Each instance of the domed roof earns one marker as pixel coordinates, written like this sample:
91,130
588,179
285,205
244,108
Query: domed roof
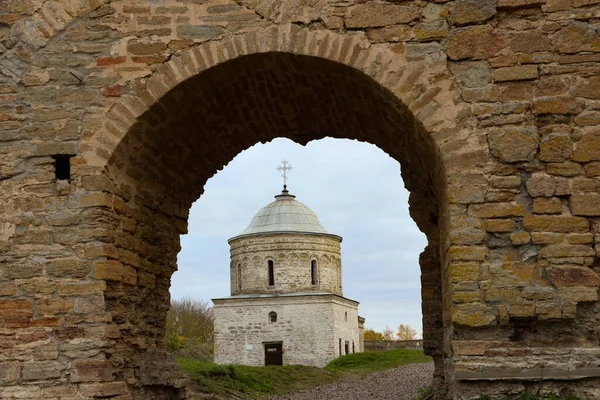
285,214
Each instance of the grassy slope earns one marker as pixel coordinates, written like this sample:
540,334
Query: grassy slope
238,381
365,363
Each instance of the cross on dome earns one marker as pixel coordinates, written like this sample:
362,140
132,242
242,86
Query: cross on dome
285,167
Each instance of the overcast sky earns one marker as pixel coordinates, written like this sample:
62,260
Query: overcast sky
356,191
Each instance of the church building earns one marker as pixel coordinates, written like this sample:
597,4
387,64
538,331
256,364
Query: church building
286,304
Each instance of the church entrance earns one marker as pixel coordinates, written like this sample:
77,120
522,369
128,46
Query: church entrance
274,353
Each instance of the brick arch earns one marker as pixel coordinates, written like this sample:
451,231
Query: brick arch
438,107
408,108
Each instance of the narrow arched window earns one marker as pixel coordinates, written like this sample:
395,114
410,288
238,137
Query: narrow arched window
313,272
239,276
271,273
272,317
346,316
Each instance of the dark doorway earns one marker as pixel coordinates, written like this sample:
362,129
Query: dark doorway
273,353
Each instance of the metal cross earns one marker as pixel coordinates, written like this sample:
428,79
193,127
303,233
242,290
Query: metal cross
285,167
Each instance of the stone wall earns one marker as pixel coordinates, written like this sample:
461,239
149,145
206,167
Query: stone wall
490,106
308,325
292,255
382,345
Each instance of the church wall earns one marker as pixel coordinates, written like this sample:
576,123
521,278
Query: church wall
305,325
345,326
291,255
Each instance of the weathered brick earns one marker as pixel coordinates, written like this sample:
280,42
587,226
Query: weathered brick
79,288
90,304
467,253
10,372
16,308
559,224
585,204
556,147
518,73
557,105
473,315
93,371
500,225
566,168
576,37
566,251
114,270
587,148
469,11
544,205
478,43
464,271
592,169
68,268
520,238
41,370
431,30
139,48
397,33
541,185
199,32
531,42
370,15
513,144
497,210
53,306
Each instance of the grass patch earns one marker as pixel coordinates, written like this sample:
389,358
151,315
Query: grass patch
372,361
425,393
253,382
243,382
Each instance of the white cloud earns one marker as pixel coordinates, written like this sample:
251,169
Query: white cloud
356,191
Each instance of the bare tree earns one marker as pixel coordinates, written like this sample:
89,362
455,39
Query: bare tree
387,333
189,320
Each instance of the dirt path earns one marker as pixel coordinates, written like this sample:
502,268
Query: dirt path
402,383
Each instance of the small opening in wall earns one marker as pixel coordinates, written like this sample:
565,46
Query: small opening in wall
272,317
313,272
353,347
271,273
62,166
340,346
346,347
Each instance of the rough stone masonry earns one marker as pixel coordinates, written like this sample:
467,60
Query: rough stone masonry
113,114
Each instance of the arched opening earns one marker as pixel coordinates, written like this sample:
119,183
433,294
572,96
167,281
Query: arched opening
159,168
313,273
272,317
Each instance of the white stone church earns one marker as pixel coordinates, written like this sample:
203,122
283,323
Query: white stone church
286,304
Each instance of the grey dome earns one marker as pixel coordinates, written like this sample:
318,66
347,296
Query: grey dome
285,214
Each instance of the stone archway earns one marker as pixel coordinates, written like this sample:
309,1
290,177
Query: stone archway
501,95
201,109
